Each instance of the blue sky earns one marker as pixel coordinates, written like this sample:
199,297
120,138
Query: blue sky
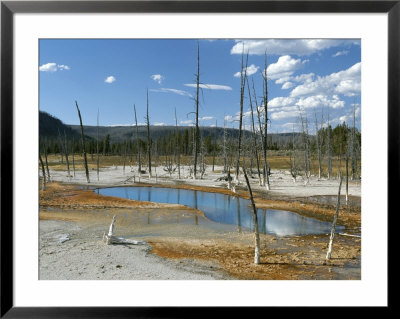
310,75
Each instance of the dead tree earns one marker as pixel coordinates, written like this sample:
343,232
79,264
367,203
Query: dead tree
328,149
318,140
64,151
214,145
354,147
255,220
263,140
306,146
255,148
347,179
224,150
333,229
83,143
177,146
265,84
196,134
243,73
202,156
138,144
293,164
73,156
148,135
47,163
43,172
124,159
110,239
97,148
169,167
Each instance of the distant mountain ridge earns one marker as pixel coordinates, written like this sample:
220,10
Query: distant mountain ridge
49,126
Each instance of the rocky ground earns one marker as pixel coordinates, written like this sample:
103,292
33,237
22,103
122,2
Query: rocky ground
74,218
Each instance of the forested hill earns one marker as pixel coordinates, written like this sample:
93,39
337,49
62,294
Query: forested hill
51,127
120,134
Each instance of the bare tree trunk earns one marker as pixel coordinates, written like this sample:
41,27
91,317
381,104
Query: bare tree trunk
83,144
138,144
110,239
306,145
242,86
97,148
224,148
43,172
318,146
347,179
265,172
196,135
353,146
328,149
329,253
254,136
214,145
148,135
177,146
264,150
293,165
73,156
124,161
62,150
47,164
255,219
202,167
66,153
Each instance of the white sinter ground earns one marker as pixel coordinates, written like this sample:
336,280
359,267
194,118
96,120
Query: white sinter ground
281,181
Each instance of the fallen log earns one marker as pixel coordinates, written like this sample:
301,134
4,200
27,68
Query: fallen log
110,239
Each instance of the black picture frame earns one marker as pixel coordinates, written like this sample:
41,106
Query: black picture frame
9,8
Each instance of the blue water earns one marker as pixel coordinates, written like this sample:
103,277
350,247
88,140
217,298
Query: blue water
227,209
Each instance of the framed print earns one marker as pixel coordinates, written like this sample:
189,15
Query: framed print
161,155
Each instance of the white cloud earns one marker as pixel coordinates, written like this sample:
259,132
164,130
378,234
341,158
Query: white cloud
159,124
339,53
206,118
53,67
158,78
284,67
307,77
110,79
349,87
211,86
63,67
320,100
175,91
116,125
48,67
283,47
281,101
250,70
284,114
186,122
290,124
282,107
346,82
348,118
287,85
